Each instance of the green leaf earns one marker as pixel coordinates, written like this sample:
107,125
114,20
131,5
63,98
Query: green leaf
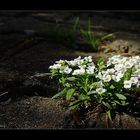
123,103
111,35
67,85
71,78
107,105
113,104
117,102
112,87
128,74
62,80
100,61
74,103
120,96
91,92
83,97
77,24
63,92
70,93
74,107
92,86
109,115
100,99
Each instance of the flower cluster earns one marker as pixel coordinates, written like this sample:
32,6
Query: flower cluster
121,65
103,83
77,66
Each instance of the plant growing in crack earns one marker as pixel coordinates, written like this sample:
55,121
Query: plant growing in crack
77,36
102,87
89,36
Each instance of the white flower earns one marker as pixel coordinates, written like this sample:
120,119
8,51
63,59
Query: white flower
135,57
88,59
106,78
99,75
119,74
104,72
127,84
138,84
81,62
119,67
60,61
90,69
78,71
55,66
91,64
116,78
100,90
109,63
134,80
110,71
128,64
99,84
115,61
137,66
82,66
78,58
67,70
72,63
123,60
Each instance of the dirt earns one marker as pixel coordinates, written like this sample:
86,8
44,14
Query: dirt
120,120
25,50
33,112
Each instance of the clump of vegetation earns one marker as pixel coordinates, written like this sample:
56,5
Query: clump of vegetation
70,35
89,36
102,87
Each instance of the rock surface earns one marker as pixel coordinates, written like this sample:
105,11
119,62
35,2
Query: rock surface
33,112
19,61
121,120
